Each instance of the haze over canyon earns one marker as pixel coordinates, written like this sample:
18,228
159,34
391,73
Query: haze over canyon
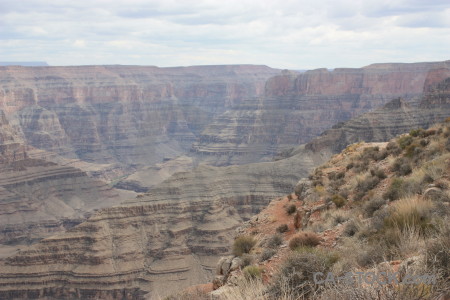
124,182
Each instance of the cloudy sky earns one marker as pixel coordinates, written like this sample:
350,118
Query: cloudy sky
300,34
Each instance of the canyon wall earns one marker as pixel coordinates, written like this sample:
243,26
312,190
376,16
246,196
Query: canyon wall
172,236
298,107
128,115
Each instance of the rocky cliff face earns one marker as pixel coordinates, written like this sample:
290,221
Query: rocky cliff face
394,118
297,107
120,114
39,198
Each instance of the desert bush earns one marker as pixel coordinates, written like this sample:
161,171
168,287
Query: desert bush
336,184
243,244
338,200
274,241
401,166
437,252
339,218
351,228
429,132
382,154
282,228
336,175
373,254
395,190
344,193
364,186
369,153
416,132
361,166
410,213
247,259
350,165
295,277
392,148
373,205
191,294
302,239
405,141
378,173
266,254
413,150
290,209
252,272
424,142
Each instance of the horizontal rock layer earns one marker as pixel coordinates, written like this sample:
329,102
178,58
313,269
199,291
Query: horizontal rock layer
122,114
297,107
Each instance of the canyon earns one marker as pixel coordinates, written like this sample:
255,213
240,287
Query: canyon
196,143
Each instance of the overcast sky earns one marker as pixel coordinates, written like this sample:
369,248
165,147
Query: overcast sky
301,34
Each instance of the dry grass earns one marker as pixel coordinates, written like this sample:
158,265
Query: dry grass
309,239
410,213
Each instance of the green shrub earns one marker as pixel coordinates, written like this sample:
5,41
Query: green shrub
338,200
405,141
291,209
274,241
416,132
252,272
243,244
302,239
413,151
395,190
282,228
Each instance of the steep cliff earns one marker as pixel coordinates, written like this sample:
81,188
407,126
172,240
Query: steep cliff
127,115
39,198
297,107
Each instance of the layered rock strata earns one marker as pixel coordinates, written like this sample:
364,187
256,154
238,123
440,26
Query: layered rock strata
297,107
122,114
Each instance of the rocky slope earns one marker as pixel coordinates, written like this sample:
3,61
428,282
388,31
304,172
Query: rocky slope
361,211
171,236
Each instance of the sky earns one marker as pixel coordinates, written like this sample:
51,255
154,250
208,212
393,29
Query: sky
301,34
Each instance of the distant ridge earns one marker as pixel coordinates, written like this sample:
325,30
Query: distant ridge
24,63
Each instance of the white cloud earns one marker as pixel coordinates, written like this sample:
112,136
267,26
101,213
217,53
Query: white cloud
284,34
